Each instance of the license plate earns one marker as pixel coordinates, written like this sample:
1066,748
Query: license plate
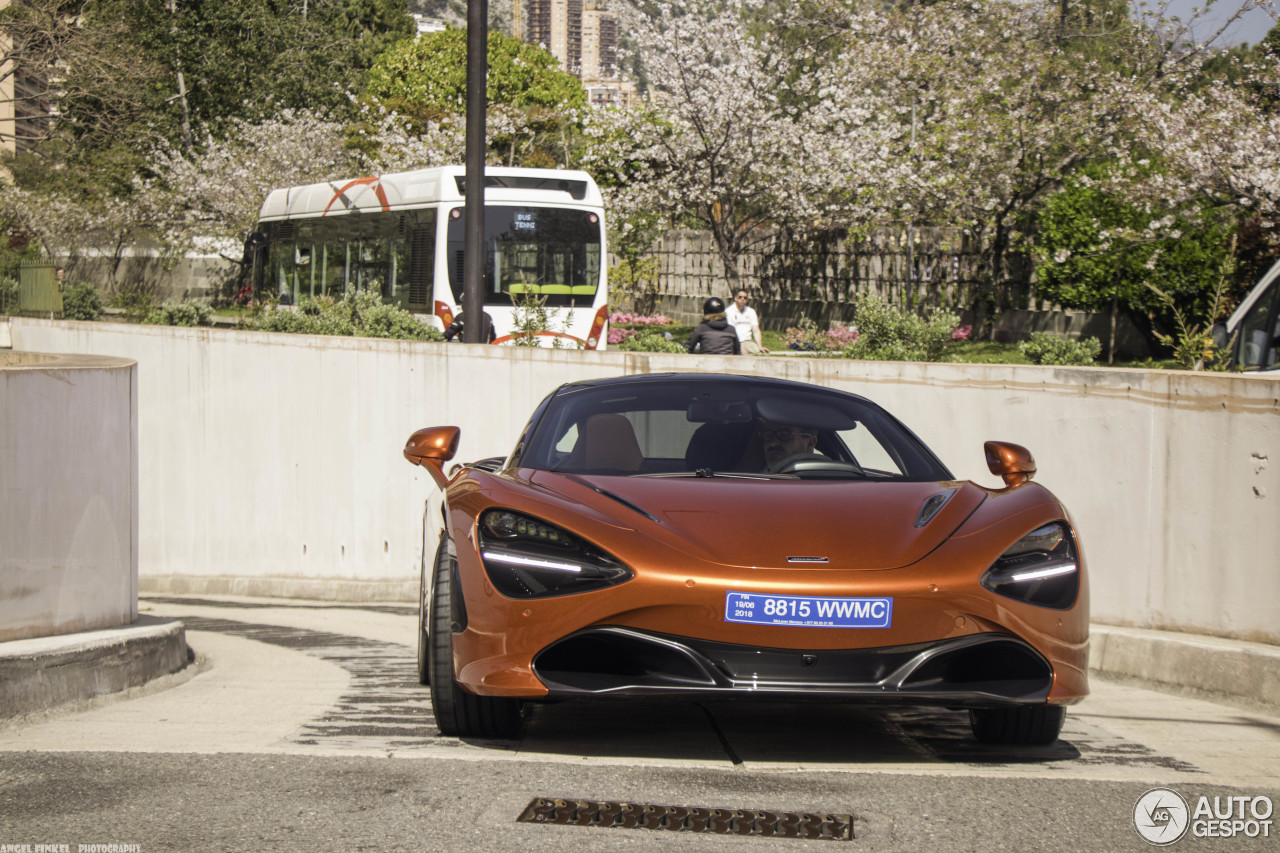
808,611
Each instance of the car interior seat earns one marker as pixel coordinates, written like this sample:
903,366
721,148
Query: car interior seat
718,447
607,441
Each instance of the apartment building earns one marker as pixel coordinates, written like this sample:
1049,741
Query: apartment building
599,43
581,34
556,26
24,100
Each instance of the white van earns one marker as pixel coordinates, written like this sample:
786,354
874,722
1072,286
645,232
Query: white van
1253,330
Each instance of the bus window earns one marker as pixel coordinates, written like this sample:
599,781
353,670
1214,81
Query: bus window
330,256
550,252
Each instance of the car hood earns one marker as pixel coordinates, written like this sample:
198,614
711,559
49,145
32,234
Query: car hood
797,524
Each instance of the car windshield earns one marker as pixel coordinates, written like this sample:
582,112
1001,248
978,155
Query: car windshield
704,426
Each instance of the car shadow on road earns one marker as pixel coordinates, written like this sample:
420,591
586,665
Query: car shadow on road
770,733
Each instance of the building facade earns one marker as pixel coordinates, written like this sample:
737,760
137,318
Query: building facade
24,100
556,26
581,34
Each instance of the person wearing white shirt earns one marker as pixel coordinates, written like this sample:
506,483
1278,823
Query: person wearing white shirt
746,324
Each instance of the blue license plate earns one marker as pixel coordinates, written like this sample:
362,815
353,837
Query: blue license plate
807,611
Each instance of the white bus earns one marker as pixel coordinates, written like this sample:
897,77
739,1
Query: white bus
402,236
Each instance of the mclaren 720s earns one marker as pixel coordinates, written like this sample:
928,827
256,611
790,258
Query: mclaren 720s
715,536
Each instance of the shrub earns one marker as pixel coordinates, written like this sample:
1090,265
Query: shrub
137,299
807,337
1044,348
893,334
358,314
651,340
531,320
8,295
172,313
81,302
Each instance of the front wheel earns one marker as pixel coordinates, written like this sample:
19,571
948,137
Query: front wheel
1035,725
424,610
459,713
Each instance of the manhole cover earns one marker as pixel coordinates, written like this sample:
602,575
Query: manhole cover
767,824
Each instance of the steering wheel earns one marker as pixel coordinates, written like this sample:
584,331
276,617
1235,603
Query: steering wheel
817,467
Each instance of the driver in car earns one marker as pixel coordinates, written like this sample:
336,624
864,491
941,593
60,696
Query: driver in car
780,442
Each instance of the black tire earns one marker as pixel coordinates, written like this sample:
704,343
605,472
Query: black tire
1034,725
459,713
424,591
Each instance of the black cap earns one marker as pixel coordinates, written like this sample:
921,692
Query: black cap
714,305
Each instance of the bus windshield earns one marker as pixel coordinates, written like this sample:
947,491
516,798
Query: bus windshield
552,253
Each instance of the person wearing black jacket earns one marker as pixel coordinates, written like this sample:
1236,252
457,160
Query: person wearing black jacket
714,335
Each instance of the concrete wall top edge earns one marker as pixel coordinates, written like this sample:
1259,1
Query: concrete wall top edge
1011,376
15,361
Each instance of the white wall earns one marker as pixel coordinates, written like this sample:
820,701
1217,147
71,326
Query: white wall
68,494
272,463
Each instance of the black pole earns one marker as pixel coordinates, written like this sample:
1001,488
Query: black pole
475,330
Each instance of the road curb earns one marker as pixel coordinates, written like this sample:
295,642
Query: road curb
1233,669
42,673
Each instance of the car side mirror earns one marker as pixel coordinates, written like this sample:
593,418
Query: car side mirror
1011,462
431,448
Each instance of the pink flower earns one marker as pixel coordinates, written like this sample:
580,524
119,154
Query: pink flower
617,336
627,318
961,333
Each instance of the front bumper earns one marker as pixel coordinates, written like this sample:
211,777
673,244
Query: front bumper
979,670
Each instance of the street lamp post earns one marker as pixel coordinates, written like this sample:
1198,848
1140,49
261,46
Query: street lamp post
475,330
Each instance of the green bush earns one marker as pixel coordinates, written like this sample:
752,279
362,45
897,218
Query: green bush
650,340
886,333
1092,248
137,299
8,295
81,302
1044,348
172,313
360,314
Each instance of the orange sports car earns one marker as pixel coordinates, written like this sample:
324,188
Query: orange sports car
739,537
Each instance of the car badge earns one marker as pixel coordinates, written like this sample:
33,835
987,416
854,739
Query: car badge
807,560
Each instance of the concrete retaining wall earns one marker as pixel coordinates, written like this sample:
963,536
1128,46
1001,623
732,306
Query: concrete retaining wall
271,463
68,493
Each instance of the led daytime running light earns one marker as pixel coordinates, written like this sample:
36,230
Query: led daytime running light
500,557
1051,571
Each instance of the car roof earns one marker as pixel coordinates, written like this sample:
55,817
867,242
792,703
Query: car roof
703,378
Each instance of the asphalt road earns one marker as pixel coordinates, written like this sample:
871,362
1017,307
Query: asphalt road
301,727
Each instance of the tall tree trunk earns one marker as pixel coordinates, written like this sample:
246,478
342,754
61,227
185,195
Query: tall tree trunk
182,85
999,279
728,246
1115,311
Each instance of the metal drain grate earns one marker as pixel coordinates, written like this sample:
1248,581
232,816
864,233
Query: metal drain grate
767,824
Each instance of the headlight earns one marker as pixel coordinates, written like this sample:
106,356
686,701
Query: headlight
1041,568
528,558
